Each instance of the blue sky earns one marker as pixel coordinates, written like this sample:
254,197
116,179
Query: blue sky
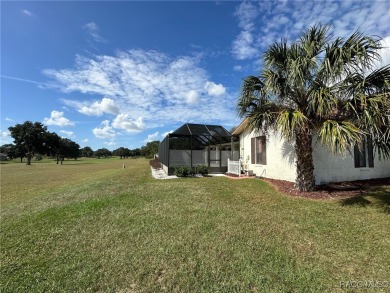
111,74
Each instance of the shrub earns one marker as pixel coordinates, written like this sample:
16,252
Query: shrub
192,171
202,170
183,171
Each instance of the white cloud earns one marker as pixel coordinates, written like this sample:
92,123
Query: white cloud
110,143
192,97
8,119
105,130
39,84
68,134
244,46
237,68
57,118
384,52
98,108
5,137
124,121
246,13
27,12
152,137
289,19
5,133
93,31
166,133
148,84
95,108
214,89
84,140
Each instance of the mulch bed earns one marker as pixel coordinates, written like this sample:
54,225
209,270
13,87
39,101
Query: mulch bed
155,164
334,190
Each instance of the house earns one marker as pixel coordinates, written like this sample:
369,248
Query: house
271,156
197,144
3,157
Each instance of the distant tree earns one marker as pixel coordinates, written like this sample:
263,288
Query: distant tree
119,152
60,147
69,149
5,147
102,153
135,152
52,144
29,138
150,149
122,152
86,152
12,151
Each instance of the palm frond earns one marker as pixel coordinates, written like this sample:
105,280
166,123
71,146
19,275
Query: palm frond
322,102
276,83
252,95
340,136
378,80
313,41
381,142
265,117
357,83
355,55
361,50
290,120
276,56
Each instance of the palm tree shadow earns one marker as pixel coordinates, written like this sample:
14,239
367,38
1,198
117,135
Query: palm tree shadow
378,197
288,153
356,201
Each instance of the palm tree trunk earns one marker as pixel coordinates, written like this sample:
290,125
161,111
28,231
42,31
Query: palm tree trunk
305,169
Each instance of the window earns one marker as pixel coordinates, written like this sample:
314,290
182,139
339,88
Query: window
258,150
363,154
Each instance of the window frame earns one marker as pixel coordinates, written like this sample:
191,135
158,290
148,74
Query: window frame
259,150
364,154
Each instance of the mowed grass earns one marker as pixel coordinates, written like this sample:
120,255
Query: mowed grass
92,226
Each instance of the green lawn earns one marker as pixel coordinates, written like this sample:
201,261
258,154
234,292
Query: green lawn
92,226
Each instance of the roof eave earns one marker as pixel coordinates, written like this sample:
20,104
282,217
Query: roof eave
241,128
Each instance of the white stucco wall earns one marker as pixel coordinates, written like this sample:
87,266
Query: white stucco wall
327,167
280,156
338,168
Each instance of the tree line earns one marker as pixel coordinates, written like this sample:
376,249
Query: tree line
32,139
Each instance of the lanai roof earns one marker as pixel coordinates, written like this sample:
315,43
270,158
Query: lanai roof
205,134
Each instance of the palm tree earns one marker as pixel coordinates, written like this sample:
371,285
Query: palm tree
324,86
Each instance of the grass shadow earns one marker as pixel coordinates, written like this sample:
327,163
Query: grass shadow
79,163
378,197
356,201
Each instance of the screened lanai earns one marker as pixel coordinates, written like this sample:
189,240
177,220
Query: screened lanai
198,144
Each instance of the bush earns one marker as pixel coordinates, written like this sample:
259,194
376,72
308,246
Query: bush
202,170
183,171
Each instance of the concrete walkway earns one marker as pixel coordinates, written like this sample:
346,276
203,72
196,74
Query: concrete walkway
160,174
